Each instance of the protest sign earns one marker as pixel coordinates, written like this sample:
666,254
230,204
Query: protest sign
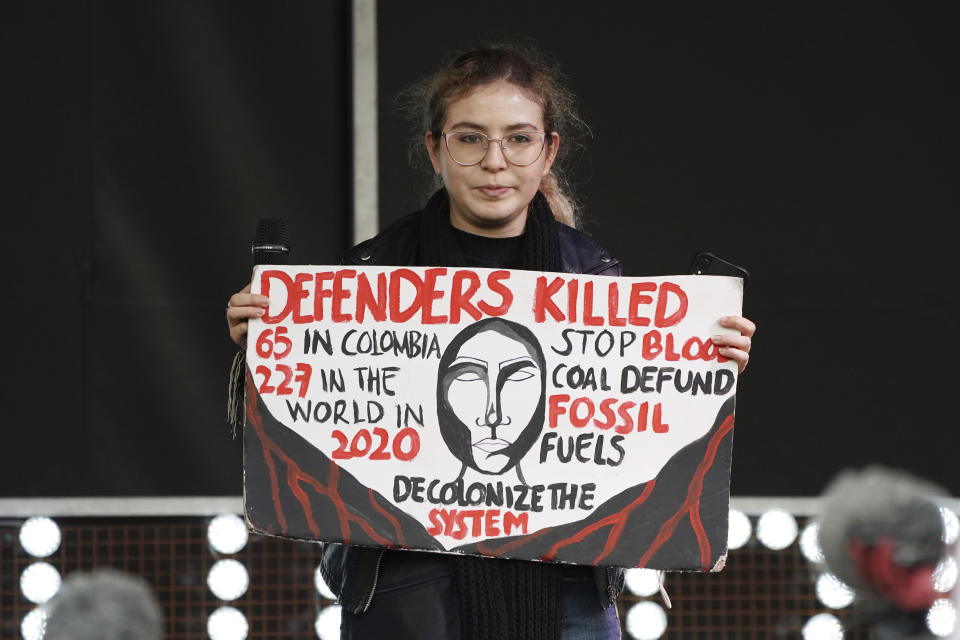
531,415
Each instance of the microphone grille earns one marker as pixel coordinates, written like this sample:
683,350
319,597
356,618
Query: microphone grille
271,242
272,231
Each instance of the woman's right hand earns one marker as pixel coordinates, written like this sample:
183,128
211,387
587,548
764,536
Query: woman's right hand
242,306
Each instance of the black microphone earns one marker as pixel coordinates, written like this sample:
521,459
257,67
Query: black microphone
271,243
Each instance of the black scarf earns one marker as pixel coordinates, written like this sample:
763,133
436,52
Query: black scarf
501,599
541,244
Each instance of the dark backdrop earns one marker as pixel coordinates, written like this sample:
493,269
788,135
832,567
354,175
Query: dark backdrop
145,142
142,142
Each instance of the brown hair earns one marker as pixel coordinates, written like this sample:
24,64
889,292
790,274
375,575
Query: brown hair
529,70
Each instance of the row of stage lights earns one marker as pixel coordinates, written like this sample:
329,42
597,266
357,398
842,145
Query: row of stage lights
228,579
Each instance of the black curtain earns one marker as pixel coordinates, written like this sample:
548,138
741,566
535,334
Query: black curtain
147,140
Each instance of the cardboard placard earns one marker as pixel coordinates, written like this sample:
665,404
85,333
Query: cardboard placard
521,414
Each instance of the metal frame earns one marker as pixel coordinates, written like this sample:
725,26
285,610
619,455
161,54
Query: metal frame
133,507
365,179
213,505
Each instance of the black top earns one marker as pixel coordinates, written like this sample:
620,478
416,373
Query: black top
491,253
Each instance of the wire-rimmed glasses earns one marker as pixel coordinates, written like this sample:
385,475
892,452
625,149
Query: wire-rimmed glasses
520,148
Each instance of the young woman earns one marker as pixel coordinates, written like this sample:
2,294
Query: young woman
494,125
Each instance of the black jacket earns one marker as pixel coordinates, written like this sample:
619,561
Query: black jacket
352,572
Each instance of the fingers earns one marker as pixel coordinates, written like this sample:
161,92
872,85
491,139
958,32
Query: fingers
737,355
741,324
733,346
237,313
238,333
246,299
242,306
732,340
237,318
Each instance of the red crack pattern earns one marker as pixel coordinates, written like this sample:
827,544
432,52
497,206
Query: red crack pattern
691,506
297,477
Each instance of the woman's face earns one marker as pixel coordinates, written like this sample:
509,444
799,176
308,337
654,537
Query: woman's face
490,198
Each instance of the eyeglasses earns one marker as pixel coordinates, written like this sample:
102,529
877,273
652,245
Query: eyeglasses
468,148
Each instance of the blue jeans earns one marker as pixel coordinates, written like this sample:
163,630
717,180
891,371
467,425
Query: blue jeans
580,615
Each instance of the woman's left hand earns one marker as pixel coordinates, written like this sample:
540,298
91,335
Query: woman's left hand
736,346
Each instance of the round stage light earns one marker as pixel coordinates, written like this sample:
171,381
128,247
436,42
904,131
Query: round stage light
945,575
646,621
823,626
227,623
951,526
327,625
833,592
34,624
942,618
777,529
739,530
228,579
810,543
642,582
321,585
40,536
39,582
227,533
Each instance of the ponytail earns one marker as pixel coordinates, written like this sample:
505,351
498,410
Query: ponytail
563,207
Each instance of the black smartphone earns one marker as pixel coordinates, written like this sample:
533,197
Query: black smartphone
707,264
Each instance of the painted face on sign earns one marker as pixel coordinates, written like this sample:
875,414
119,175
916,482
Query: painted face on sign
490,394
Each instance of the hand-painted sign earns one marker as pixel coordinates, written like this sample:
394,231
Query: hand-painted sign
530,415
